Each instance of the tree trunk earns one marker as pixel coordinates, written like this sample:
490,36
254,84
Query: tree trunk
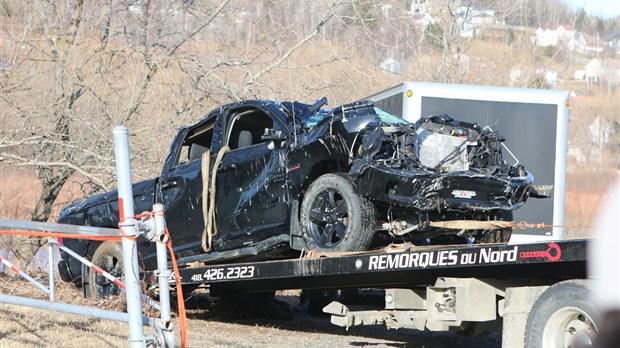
27,247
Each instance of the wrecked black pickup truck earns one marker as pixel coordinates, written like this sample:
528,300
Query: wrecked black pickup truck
287,176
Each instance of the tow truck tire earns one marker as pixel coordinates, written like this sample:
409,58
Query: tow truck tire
563,316
109,257
334,217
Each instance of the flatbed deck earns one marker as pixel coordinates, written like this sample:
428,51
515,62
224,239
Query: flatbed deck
523,264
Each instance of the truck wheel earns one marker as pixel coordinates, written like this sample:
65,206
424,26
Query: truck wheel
109,257
334,217
563,316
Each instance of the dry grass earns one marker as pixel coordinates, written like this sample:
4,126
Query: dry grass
29,327
19,189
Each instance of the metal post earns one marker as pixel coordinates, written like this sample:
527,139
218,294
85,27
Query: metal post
127,226
163,274
50,260
74,309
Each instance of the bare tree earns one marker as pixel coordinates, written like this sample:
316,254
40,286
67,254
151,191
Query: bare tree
78,68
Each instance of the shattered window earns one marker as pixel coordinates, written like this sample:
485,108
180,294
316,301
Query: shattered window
384,117
316,118
390,119
196,143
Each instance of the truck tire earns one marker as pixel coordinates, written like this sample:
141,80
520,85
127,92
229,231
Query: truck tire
334,217
109,257
563,316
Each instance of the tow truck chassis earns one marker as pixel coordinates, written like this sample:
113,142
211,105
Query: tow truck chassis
409,266
434,288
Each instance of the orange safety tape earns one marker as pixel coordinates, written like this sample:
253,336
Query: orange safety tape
141,215
180,300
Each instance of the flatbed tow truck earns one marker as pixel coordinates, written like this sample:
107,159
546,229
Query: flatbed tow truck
533,290
536,292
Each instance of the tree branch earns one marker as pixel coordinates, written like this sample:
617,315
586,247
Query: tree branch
199,29
299,44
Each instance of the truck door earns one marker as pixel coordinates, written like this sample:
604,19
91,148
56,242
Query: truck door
180,188
251,202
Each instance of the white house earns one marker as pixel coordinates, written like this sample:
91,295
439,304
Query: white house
594,70
559,37
473,20
418,6
550,75
580,74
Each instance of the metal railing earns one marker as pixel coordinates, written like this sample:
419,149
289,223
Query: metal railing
151,228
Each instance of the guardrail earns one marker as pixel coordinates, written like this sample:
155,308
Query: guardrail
151,227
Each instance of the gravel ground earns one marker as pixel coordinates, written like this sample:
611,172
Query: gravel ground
211,323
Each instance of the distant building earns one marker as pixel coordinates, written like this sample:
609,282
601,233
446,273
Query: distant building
550,75
418,6
473,20
560,37
424,19
594,70
419,10
391,65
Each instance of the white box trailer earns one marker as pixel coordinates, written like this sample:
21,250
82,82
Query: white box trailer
533,121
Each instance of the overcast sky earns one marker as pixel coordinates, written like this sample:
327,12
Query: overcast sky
601,8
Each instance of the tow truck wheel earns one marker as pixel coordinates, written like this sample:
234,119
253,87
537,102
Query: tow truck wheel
109,257
563,316
334,217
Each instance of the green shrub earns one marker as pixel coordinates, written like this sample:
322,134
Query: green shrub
549,51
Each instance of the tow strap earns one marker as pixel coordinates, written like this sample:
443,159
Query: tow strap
208,196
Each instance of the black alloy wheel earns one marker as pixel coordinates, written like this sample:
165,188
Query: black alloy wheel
334,217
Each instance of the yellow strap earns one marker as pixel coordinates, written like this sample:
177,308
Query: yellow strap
208,196
472,224
206,159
